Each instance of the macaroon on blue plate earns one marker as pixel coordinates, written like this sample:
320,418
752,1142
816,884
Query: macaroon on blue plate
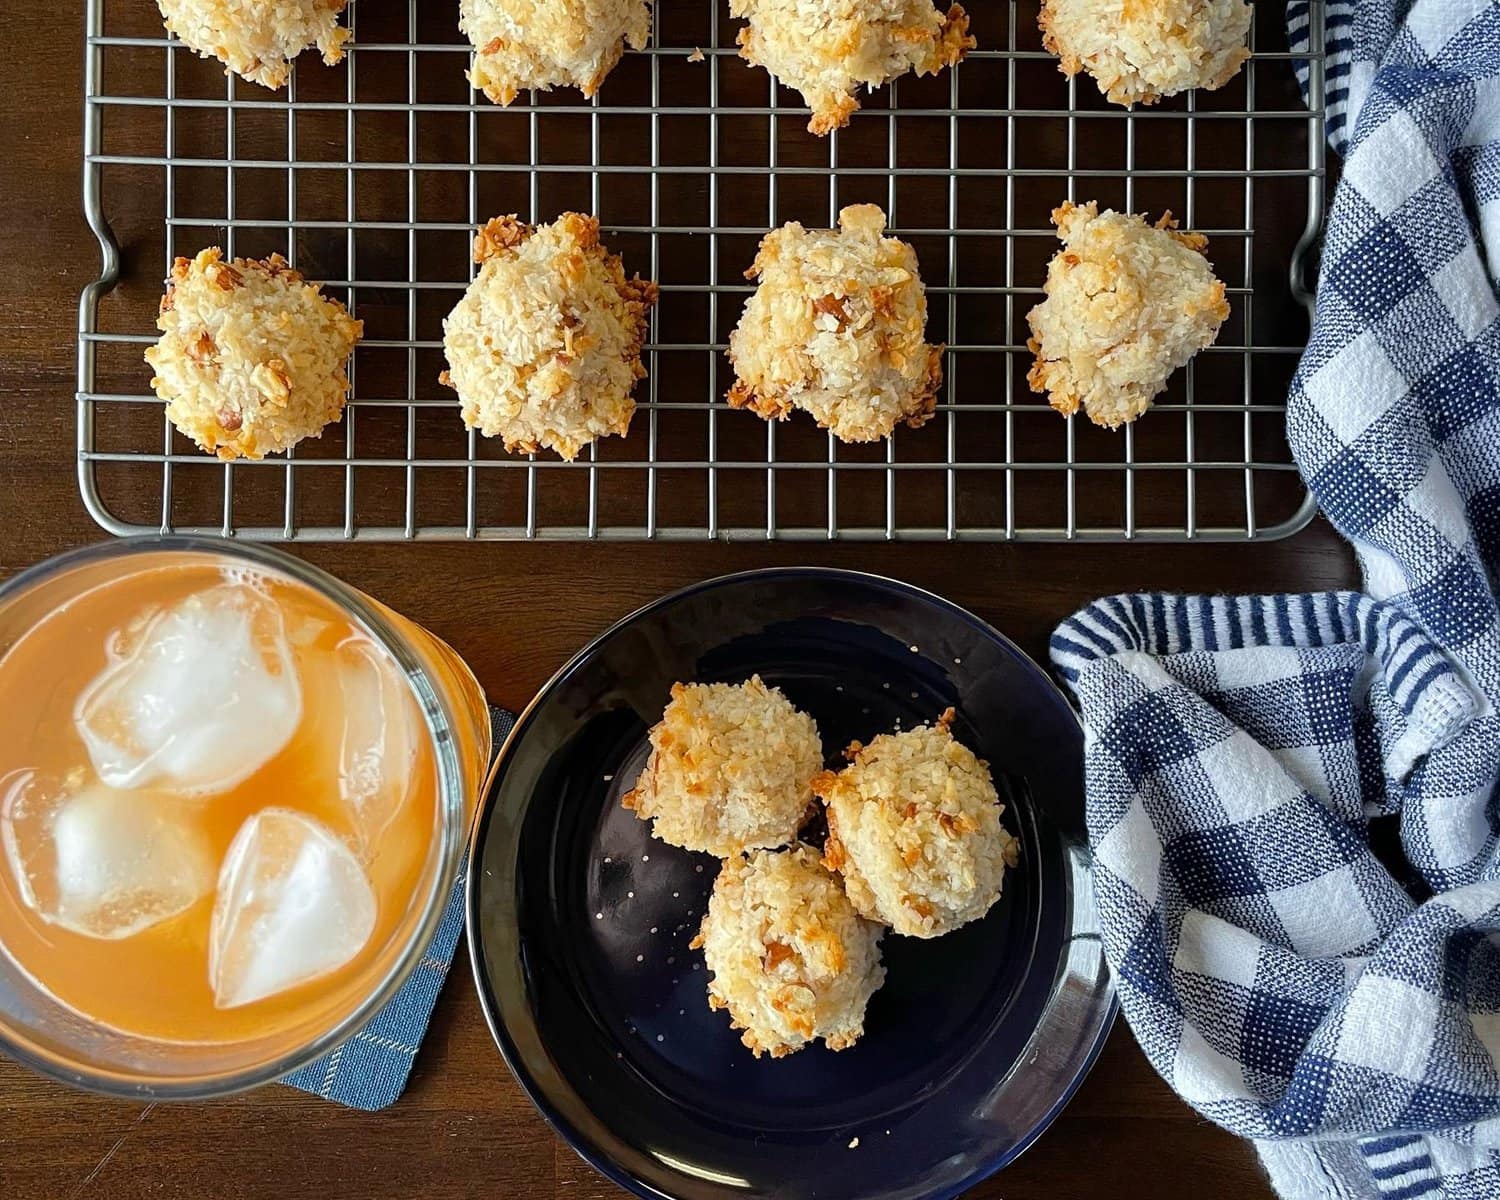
579,921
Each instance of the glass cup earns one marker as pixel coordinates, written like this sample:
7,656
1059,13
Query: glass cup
40,1032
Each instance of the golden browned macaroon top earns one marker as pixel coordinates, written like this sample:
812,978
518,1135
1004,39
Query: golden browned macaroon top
1141,50
914,829
257,41
837,329
251,358
827,49
1126,305
789,957
731,768
542,44
544,348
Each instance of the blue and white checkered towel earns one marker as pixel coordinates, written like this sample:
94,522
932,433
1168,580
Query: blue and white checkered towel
1294,801
370,1070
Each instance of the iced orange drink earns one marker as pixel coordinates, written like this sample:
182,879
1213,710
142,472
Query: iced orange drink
228,799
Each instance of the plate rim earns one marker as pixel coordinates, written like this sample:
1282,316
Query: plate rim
576,1139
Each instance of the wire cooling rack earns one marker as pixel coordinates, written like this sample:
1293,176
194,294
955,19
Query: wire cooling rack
371,176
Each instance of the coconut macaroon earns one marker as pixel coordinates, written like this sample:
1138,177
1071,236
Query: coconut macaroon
1138,53
731,768
542,44
914,828
252,358
545,346
827,48
257,41
791,959
837,328
1127,304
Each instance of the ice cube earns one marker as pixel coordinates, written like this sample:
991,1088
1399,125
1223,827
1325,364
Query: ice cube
293,904
196,701
379,745
100,862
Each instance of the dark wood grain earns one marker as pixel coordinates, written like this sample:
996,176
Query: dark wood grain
464,1129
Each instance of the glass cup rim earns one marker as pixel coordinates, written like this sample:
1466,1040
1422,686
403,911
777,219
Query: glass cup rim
454,828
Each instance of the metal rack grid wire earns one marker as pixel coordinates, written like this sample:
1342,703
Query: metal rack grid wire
372,176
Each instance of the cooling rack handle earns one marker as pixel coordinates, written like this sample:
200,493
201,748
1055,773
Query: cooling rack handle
109,248
93,138
1304,270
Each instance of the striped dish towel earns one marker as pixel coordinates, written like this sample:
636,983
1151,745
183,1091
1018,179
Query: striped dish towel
370,1070
1294,801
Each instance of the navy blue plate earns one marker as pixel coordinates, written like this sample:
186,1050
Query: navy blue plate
579,921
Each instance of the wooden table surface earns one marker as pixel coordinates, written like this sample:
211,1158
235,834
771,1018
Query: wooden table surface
464,1129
